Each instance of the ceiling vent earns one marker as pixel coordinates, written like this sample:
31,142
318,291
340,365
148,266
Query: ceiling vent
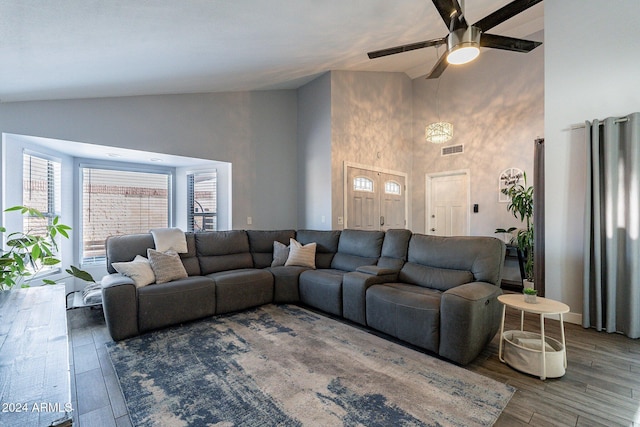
452,149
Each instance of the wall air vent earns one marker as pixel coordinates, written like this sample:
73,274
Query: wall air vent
452,149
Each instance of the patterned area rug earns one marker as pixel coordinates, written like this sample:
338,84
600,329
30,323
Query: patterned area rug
284,365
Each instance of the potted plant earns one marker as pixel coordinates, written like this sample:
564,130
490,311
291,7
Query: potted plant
530,295
28,253
521,206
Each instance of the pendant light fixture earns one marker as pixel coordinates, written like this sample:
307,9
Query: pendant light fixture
438,132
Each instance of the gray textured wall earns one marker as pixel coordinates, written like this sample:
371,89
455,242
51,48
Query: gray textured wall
496,106
371,125
256,131
314,154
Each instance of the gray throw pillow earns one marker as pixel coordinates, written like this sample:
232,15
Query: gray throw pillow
166,266
280,254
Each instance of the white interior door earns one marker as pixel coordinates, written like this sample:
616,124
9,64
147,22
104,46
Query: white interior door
448,204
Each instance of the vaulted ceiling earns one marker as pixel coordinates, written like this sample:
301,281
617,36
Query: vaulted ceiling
97,48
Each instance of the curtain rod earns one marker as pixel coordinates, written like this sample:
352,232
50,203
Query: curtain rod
616,121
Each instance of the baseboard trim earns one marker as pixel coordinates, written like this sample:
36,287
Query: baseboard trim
575,318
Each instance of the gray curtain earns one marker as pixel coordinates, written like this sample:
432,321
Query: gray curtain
538,216
612,222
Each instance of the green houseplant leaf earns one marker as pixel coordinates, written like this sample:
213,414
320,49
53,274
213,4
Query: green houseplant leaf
521,206
26,254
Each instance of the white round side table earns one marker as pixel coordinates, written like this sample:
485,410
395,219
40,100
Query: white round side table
520,353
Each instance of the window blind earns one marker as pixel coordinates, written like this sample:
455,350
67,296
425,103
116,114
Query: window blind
202,203
118,202
41,190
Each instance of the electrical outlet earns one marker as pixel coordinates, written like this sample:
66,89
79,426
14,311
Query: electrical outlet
322,219
249,220
340,220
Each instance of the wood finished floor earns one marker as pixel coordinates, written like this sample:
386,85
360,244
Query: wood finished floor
601,386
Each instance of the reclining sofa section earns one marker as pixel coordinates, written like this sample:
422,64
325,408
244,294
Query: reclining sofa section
437,293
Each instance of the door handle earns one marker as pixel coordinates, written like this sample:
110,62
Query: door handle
433,229
381,220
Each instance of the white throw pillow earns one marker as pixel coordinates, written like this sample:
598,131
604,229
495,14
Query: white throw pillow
303,256
167,239
280,254
139,270
167,266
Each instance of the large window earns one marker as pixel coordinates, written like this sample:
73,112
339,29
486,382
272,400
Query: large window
121,202
40,190
202,203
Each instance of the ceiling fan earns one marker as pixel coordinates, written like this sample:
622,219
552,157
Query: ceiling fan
464,40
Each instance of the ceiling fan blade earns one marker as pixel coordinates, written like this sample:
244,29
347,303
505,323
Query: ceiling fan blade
504,13
446,9
507,43
406,48
440,66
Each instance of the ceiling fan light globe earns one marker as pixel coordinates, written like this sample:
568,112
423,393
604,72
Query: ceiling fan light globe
462,54
463,45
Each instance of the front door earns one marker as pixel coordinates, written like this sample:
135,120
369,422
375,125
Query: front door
363,210
393,196
375,200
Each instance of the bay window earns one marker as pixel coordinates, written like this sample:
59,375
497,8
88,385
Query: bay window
116,201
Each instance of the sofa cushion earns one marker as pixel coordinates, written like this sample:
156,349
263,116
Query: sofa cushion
431,277
408,312
394,249
125,248
285,283
261,245
175,302
166,266
190,258
223,250
322,289
139,270
240,289
326,244
357,248
301,255
477,255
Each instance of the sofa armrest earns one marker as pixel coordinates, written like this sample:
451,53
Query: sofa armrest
374,270
354,292
120,305
116,279
469,318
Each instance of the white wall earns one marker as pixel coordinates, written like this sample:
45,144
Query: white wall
255,131
496,106
223,175
13,148
592,63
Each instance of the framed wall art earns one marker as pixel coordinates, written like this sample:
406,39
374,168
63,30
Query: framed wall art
508,177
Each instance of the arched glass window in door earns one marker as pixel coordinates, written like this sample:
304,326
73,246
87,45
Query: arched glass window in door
392,187
362,183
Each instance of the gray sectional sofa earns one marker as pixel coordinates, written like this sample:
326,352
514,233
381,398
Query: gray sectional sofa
437,293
